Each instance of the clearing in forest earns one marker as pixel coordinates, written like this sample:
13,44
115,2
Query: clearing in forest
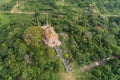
67,76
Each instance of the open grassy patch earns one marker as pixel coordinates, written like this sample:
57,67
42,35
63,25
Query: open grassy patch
4,1
67,76
4,19
60,3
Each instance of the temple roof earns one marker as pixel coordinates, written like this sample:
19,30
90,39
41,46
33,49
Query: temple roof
49,32
50,36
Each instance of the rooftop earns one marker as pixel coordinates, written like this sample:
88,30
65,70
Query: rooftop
50,37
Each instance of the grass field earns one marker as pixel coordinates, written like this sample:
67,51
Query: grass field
65,3
60,3
4,19
4,1
52,6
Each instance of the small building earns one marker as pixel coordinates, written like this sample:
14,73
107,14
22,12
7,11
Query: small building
50,37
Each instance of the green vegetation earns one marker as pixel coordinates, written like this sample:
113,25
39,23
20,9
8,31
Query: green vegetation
109,7
86,35
13,65
7,5
4,2
32,36
4,19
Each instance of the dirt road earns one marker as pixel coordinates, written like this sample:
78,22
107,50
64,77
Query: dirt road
94,64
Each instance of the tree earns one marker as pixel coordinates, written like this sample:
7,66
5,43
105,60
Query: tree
32,36
22,49
51,52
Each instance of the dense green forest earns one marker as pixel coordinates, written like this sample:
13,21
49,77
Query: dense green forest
88,29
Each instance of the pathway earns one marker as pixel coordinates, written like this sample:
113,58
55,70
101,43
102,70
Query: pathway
62,58
94,64
18,4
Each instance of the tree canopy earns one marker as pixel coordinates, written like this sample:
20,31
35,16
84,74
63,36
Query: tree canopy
33,36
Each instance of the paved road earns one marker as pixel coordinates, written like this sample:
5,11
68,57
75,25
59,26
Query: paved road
62,58
94,64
